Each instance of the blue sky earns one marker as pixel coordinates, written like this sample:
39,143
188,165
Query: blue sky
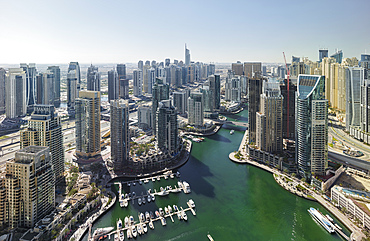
215,31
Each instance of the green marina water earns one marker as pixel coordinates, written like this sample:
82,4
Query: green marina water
233,201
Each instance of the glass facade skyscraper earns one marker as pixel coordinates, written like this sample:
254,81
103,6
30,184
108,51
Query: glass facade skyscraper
311,126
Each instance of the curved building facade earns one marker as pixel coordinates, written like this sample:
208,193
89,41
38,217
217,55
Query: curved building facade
311,126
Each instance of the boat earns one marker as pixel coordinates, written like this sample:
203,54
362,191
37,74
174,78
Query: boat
143,200
139,201
119,224
158,178
157,214
172,176
163,221
153,179
145,228
133,194
321,219
121,235
184,216
141,217
126,222
329,218
165,210
147,216
179,183
129,234
153,198
134,183
175,208
191,203
179,215
186,187
161,211
231,132
338,227
121,204
149,199
177,174
166,177
151,225
134,232
146,181
132,220
140,229
151,215
140,182
169,209
116,237
100,232
210,237
128,184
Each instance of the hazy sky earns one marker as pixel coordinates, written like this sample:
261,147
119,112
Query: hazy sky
122,31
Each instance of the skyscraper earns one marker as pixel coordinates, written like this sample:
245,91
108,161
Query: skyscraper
254,92
288,133
166,127
138,82
187,56
113,85
237,68
121,70
338,56
140,65
45,88
2,90
179,101
123,81
253,69
151,79
29,187
365,63
120,137
311,126
88,124
30,71
167,62
354,80
323,53
195,109
146,86
233,89
269,120
144,116
160,92
72,84
45,129
15,89
93,78
74,66
56,71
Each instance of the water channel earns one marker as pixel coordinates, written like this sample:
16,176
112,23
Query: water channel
233,201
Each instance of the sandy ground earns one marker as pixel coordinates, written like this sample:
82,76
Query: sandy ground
353,181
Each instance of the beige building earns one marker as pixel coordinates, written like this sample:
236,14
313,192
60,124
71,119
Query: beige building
88,124
44,129
27,191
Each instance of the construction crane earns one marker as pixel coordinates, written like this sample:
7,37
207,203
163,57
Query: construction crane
288,73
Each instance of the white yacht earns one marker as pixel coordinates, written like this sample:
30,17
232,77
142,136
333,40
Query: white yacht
163,221
145,228
321,219
191,203
231,132
134,232
186,187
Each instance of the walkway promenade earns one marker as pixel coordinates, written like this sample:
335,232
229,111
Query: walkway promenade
356,234
84,227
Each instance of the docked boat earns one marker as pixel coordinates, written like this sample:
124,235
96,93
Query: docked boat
146,181
329,218
161,212
166,210
132,220
163,221
186,187
175,208
134,183
321,219
172,175
149,198
153,198
179,215
129,233
184,216
191,203
169,209
145,228
116,237
121,235
140,182
143,200
166,177
100,232
134,232
119,224
157,214
139,201
147,216
158,178
126,222
177,174
151,215
140,229
231,132
141,217
128,184
337,226
153,179
151,225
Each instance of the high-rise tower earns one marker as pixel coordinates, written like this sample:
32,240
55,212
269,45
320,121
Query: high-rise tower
323,53
15,89
120,137
311,126
88,124
93,78
113,85
56,71
166,127
72,94
138,82
187,56
31,72
160,92
2,90
45,129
